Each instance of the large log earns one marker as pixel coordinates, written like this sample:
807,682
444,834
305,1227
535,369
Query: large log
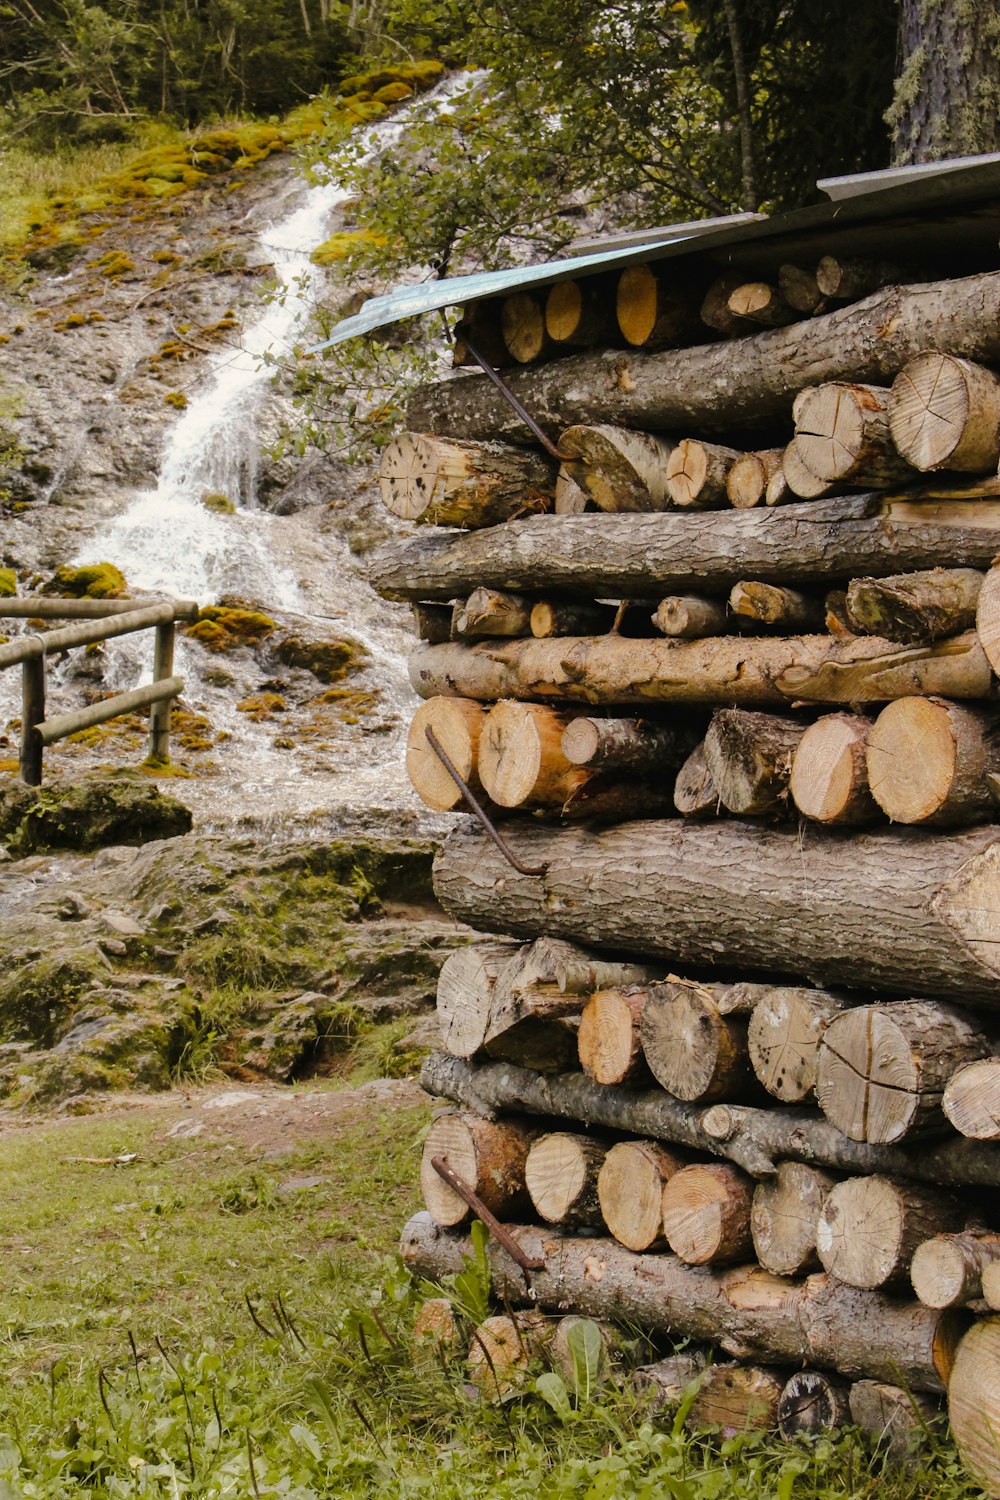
747,1312
783,1038
521,761
755,1139
643,556
842,435
617,469
428,479
928,761
561,1177
974,1403
758,673
915,606
718,387
489,1156
894,910
869,1228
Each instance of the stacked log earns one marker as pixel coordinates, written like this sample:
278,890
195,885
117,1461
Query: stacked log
724,1060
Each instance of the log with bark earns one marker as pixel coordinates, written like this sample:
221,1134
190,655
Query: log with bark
784,1034
561,1177
489,1156
898,1421
436,1338
695,793
893,911
928,760
784,1218
577,313
971,1100
974,1403
571,498
628,744
617,469
719,387
988,618
749,756
489,614
654,310
554,979
521,761
551,617
800,289
696,474
842,435
869,1228
608,1040
747,1312
646,556
691,1048
736,1398
764,672
945,413
502,1348
522,323
662,1385
924,606
797,481
757,302
715,312
457,723
829,776
947,1271
454,483
848,277
813,1402
747,480
755,1139
630,1189
883,1068
706,1214
787,609
470,1010
690,617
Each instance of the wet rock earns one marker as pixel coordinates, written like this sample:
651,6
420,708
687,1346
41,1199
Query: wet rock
328,659
117,807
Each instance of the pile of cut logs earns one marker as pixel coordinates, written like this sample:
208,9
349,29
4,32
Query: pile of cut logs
719,675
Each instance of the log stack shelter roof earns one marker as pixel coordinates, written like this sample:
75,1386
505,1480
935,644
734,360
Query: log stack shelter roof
946,213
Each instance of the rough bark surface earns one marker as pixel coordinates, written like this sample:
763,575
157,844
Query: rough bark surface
922,606
749,756
427,479
617,469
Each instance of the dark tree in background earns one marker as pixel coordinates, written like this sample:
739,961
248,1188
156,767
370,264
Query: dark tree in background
947,95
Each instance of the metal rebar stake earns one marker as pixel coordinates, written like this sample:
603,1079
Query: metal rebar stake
478,809
514,402
496,1229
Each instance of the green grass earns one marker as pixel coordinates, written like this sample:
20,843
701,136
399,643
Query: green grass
314,1392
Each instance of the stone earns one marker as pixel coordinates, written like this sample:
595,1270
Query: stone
117,807
120,922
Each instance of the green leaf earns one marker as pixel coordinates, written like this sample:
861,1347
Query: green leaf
552,1389
586,1348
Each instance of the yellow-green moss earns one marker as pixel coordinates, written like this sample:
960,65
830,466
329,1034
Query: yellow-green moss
93,581
114,263
393,93
260,706
219,503
219,628
340,246
176,399
419,75
191,731
8,583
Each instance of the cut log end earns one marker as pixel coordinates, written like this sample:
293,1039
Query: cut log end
630,1189
829,776
457,723
706,1214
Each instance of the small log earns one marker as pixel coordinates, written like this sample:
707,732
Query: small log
988,618
608,1040
571,498
947,1271
715,310
469,1009
883,1068
432,622
835,606
619,470
898,1421
551,617
561,1177
869,1228
522,323
915,606
928,760
626,744
849,277
706,1214
813,1402
447,482
630,1190
577,314
747,480
489,614
945,414
689,617
521,762
489,1157
749,756
829,775
797,482
842,434
783,1039
436,1337
800,289
480,321
662,1385
691,1048
974,1403
784,1218
759,302
971,1099
555,979
696,474
652,310
695,793
736,1398
772,604
457,723
501,1350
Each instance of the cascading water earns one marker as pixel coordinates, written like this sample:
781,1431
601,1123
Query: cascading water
167,542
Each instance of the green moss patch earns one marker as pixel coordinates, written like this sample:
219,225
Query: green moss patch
329,660
92,581
219,628
8,583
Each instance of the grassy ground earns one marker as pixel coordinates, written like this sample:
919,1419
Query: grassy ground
221,1314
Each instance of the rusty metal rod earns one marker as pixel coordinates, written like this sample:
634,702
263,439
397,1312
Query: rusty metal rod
478,809
496,1229
514,402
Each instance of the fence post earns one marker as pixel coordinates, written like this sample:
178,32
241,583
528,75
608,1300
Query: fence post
32,713
159,714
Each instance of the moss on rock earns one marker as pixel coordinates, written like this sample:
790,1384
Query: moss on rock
93,581
329,660
222,628
8,583
118,807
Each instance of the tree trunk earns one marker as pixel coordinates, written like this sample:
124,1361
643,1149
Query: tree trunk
747,1312
617,469
747,480
630,1188
561,1177
521,762
491,614
915,606
972,1099
829,778
812,1403
469,1011
626,744
695,793
945,413
760,673
869,1228
898,1421
759,303
653,310
947,1271
522,323
769,604
974,1403
551,617
784,1036
696,474
692,1049
944,102
784,1218
642,557
800,289
755,1139
898,912
736,1398
842,435
489,1158
706,1214
448,483
577,314
749,756
688,617
457,723
722,387
928,760
883,1068
608,1040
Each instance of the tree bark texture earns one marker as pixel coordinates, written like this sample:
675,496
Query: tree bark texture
945,101
922,606
427,479
749,756
489,1157
617,469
